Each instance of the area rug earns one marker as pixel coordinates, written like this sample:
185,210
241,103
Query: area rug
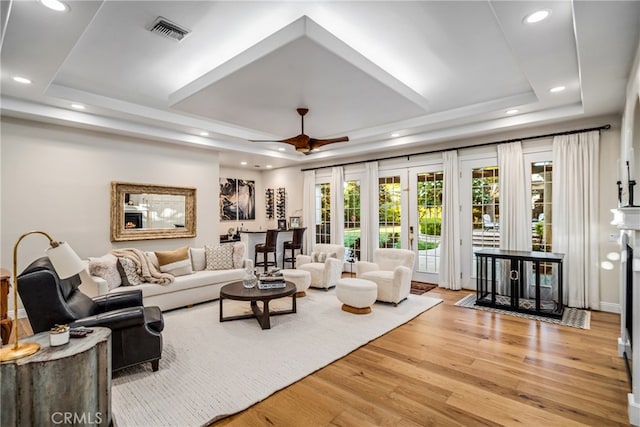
574,317
210,370
419,288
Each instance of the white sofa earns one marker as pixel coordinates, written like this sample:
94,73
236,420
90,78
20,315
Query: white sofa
391,270
324,263
200,286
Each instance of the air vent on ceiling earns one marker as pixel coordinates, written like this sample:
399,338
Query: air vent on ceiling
169,29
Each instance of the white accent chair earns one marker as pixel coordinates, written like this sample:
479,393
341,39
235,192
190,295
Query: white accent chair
324,263
391,270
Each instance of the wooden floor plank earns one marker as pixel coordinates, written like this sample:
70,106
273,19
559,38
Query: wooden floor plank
458,366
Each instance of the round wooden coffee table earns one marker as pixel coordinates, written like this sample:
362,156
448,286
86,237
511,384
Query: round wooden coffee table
235,291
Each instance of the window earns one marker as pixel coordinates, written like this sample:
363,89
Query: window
323,213
485,207
389,193
541,212
429,194
352,231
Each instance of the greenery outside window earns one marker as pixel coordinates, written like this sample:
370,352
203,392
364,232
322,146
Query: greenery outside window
352,230
323,213
429,186
485,207
389,195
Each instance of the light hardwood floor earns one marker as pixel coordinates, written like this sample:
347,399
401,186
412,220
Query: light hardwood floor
458,366
454,366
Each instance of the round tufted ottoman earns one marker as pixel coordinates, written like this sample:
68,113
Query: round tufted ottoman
301,278
356,295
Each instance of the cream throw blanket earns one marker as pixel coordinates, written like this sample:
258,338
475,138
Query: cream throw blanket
146,270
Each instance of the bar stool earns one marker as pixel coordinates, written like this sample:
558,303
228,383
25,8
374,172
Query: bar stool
269,246
292,245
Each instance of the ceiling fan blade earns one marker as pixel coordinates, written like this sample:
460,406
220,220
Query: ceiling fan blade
302,142
315,143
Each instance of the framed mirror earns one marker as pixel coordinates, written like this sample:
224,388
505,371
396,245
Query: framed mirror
146,211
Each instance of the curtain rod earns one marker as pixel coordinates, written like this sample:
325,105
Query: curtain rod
526,138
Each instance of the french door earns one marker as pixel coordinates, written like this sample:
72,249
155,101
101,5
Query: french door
410,209
480,212
425,219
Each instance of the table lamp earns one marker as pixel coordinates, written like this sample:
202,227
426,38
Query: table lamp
66,264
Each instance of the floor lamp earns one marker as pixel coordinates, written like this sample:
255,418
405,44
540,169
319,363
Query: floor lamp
66,263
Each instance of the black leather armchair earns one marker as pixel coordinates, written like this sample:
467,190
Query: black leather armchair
135,330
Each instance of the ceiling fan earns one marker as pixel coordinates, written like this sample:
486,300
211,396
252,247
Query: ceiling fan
303,143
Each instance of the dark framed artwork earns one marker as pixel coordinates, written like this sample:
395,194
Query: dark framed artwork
282,224
294,222
237,199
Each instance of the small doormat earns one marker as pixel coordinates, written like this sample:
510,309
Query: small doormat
573,317
419,288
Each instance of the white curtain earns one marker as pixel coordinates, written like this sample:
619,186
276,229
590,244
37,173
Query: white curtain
575,215
450,230
369,214
515,220
337,205
309,210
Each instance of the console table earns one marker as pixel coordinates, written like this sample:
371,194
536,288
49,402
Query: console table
5,321
528,282
64,385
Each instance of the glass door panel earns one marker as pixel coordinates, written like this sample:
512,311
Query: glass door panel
480,215
425,209
352,229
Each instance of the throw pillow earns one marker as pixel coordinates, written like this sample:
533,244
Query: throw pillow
322,257
130,277
219,257
238,255
106,267
198,260
123,274
153,259
176,262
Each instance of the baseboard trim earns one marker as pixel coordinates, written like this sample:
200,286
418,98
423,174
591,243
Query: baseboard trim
610,307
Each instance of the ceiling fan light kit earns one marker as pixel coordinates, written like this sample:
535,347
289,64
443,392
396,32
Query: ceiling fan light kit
302,142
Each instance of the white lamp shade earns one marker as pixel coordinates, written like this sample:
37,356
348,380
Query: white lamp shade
65,261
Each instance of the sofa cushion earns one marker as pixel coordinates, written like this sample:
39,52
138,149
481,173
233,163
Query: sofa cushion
198,259
195,280
176,262
219,257
106,267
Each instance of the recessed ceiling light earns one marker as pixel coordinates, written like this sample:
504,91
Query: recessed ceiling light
395,135
243,163
557,89
23,80
537,16
204,133
56,5
77,106
269,166
281,149
510,112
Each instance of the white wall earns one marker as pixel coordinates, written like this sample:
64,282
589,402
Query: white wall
57,179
